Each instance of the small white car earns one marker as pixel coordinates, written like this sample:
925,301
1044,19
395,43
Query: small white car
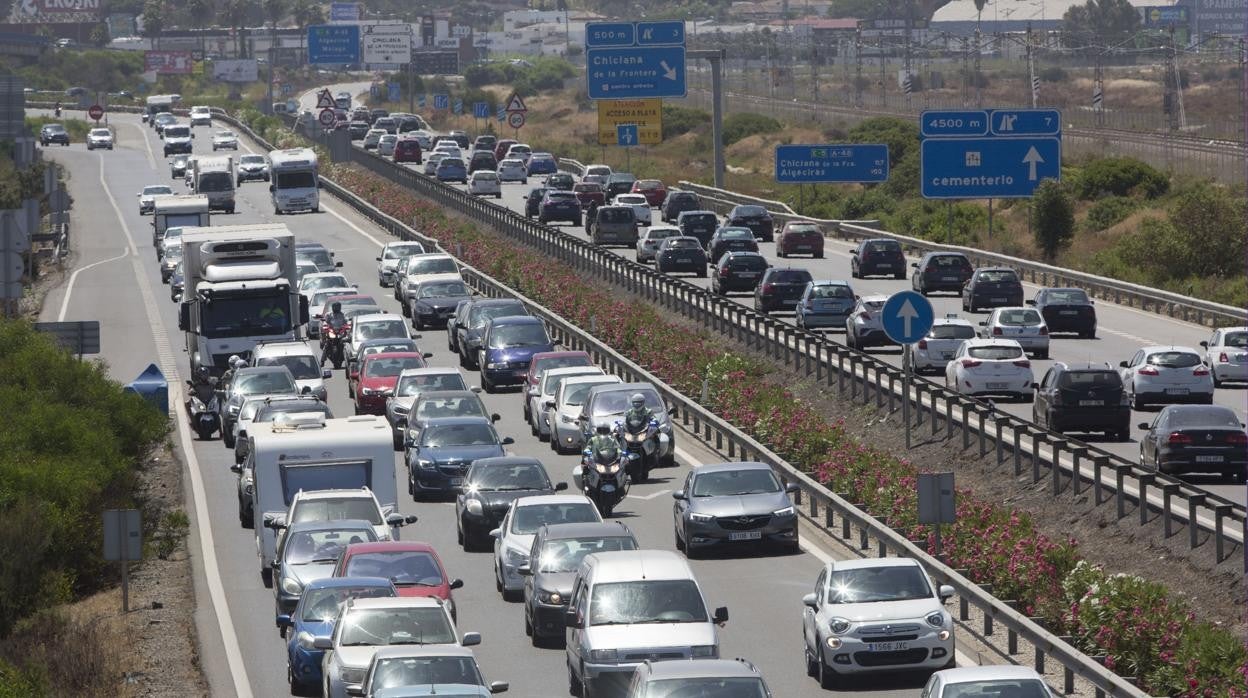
989,680
1166,375
201,116
991,367
385,145
147,197
1226,354
100,138
423,138
449,149
324,279
936,349
521,152
514,536
603,171
865,325
224,140
876,615
372,137
651,238
302,362
513,170
485,183
432,162
1023,325
389,259
638,202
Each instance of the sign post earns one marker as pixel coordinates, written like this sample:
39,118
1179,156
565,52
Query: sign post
123,542
96,112
937,503
907,317
517,112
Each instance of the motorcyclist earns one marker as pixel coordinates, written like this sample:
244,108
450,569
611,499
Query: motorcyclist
602,440
230,364
638,415
58,109
335,320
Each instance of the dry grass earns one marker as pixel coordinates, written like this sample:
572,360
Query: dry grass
82,646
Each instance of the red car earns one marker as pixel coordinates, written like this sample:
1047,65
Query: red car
415,568
652,189
501,148
589,193
408,150
550,359
377,377
797,237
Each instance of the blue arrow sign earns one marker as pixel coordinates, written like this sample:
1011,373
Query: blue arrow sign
393,91
1025,122
907,316
334,44
441,101
626,135
987,168
661,33
855,162
972,122
636,72
481,110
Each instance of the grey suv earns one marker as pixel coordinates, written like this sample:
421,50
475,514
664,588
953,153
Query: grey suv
614,225
727,503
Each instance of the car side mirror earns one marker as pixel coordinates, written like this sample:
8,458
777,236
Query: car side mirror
307,390
499,686
471,639
1142,425
283,620
671,412
272,188
427,354
327,374
322,642
524,570
678,495
355,690
496,533
570,620
946,592
507,441
457,583
792,488
810,601
548,404
409,441
1031,302
914,265
1205,344
495,417
236,468
1035,386
721,615
378,259
1122,364
983,323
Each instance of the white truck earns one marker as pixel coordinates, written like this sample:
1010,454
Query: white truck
213,177
177,210
240,289
157,104
295,180
308,452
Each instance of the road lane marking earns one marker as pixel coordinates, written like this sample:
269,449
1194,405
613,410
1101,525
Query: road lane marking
652,495
151,157
69,287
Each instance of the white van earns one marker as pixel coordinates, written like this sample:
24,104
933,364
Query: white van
295,180
630,606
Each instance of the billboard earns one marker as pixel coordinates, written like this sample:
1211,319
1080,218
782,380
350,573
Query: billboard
1164,16
235,70
344,12
386,49
60,8
167,62
1229,17
645,114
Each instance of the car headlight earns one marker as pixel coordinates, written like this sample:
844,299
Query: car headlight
936,619
603,655
516,557
701,518
703,651
290,585
353,675
232,410
497,364
787,511
549,597
839,626
474,507
425,464
370,391
400,409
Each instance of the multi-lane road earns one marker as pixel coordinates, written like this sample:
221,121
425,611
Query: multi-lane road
117,282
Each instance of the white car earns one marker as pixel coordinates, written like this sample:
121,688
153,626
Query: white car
1226,354
514,536
372,137
365,626
431,163
989,680
224,140
513,170
390,256
859,606
201,116
934,351
385,145
521,152
638,202
547,385
449,149
485,183
991,367
302,362
423,267
147,197
1023,325
99,138
1166,375
396,670
423,138
323,279
651,238
603,171
560,413
326,505
865,325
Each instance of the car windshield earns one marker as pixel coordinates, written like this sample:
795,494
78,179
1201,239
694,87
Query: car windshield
382,329
509,476
749,262
481,314
883,246
948,260
391,367
1202,416
337,509
805,229
1019,317
951,332
872,584
790,276
661,233
1070,296
575,395
388,348
467,406
996,352
320,257
1173,359
421,625
830,291
615,215
736,234
251,160
403,567
322,296
444,435
631,200
302,368
425,671
403,250
263,382
1239,340
681,244
323,604
874,306
101,132
997,277
565,554
225,134
484,176
616,402
411,385
526,335
550,384
527,519
587,188
1085,379
268,412
996,688
305,547
648,601
158,189
437,265
54,128
727,483
311,283
172,233
451,162
718,687
750,212
443,289
560,196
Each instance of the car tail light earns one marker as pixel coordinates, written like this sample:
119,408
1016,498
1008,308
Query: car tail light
810,304
1202,371
1237,438
866,254
723,272
864,315
1177,437
996,331
1044,331
922,343
1146,371
971,363
1222,358
768,288
1023,363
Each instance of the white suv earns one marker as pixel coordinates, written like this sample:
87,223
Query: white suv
201,116
514,536
302,362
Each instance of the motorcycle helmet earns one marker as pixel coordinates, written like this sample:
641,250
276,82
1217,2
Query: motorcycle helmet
232,361
603,429
336,307
638,400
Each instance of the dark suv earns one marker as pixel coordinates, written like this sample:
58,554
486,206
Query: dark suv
678,202
1066,310
730,239
738,271
879,257
698,224
756,218
992,287
619,183
1083,397
482,160
940,271
53,133
780,289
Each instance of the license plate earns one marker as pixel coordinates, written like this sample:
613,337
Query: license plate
996,300
745,535
946,355
949,278
884,266
997,386
749,274
1069,312
1176,391
1241,359
887,646
457,481
1208,459
1091,403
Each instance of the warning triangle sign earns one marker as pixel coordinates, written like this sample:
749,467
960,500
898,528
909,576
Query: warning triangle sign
514,104
325,100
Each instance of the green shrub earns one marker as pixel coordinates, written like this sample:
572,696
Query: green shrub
681,120
1054,217
930,220
22,682
866,204
102,70
744,125
901,136
1109,212
1120,177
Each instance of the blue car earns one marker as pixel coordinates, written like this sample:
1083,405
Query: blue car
542,164
314,616
439,454
452,170
825,304
560,206
507,346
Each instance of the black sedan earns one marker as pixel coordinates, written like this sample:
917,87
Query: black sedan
731,239
435,301
738,271
680,254
756,218
490,486
53,133
1196,439
1066,310
992,287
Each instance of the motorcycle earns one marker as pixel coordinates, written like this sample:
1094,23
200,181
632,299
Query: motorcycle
642,441
58,112
335,341
605,483
205,417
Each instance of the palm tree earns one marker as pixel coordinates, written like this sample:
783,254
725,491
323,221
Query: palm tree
201,12
235,15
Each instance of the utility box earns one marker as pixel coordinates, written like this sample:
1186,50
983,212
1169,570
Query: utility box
937,500
152,386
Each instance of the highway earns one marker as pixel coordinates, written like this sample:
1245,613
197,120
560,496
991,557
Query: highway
118,283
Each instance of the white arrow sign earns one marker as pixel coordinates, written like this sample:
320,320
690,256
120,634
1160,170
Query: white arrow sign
668,71
1032,158
907,313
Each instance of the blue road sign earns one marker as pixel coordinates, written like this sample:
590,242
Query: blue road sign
374,91
953,123
1025,122
441,101
458,106
394,93
344,12
334,43
481,110
626,135
287,89
635,61
907,316
420,101
987,168
854,162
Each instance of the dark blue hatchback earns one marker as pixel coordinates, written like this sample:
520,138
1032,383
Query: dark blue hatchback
507,346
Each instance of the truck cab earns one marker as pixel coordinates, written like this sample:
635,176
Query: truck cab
213,177
295,180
